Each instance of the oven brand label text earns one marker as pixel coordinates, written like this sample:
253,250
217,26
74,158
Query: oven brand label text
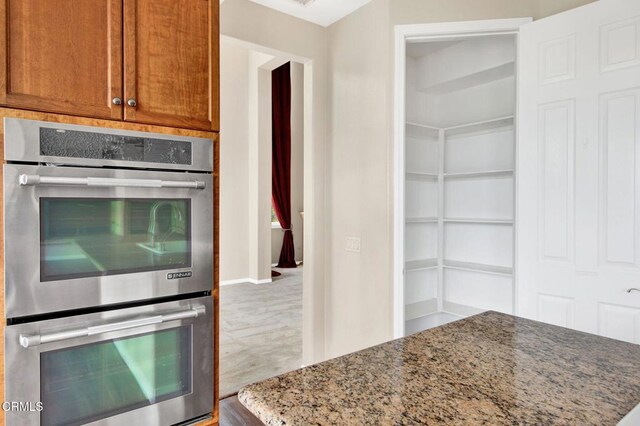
177,275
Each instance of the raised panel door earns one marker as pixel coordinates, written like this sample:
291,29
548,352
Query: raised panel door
168,58
62,56
579,169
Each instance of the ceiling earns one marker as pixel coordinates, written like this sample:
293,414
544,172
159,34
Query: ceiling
321,12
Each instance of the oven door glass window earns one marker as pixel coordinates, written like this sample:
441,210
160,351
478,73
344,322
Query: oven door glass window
88,237
91,382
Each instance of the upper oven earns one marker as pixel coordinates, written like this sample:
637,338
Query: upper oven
79,236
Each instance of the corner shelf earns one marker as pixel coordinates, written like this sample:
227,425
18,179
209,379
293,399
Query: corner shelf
422,264
420,309
477,78
421,176
417,130
487,173
479,126
478,267
413,220
422,126
479,221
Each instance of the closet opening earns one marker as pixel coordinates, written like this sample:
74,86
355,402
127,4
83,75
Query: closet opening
455,179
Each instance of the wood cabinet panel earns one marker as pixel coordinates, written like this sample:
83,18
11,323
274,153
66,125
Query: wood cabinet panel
168,55
62,56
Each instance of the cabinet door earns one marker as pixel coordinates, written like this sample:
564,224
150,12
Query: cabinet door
168,50
579,169
62,56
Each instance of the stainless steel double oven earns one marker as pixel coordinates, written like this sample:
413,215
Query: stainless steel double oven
108,275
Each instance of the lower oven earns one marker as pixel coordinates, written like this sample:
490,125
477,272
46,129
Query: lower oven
151,363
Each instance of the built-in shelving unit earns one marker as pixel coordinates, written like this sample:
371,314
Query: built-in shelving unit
459,180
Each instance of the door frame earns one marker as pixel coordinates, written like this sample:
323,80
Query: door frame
313,330
428,32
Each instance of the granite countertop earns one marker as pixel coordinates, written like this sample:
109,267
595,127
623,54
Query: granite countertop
488,369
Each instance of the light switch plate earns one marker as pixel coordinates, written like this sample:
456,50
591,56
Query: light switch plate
353,244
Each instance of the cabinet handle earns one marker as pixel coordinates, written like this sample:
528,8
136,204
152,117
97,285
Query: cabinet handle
32,180
633,289
27,341
116,101
132,102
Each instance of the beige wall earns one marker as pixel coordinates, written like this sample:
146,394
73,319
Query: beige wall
234,151
551,7
358,285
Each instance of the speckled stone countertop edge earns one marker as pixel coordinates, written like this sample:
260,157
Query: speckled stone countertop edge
259,409
276,401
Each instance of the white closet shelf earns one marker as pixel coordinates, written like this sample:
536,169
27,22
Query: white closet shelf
422,126
479,126
416,265
460,310
421,220
420,309
421,131
485,173
478,267
476,78
478,220
421,176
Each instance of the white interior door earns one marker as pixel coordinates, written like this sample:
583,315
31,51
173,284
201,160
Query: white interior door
579,169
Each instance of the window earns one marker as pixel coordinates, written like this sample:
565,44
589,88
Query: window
275,224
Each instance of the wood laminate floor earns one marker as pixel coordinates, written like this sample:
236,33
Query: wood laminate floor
260,330
233,413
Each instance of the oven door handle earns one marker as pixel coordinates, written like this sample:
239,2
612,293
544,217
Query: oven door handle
31,180
28,341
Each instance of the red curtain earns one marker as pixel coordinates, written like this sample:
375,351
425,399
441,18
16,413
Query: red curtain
281,159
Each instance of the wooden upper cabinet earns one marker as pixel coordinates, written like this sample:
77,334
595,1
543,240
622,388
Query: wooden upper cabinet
168,56
62,56
146,61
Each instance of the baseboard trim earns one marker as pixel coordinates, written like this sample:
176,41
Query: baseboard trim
245,280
